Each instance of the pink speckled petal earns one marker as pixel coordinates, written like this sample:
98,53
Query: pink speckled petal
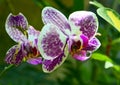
93,45
53,16
33,35
49,65
51,42
84,22
15,55
15,27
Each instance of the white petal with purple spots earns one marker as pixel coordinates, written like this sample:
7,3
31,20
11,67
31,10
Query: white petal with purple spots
85,22
51,42
16,26
52,15
15,55
93,45
51,65
33,35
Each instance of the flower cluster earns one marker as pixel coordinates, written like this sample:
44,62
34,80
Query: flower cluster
58,38
27,38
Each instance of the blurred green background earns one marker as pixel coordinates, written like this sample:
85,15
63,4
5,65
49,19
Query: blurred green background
72,72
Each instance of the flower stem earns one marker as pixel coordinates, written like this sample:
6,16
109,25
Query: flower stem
10,6
5,69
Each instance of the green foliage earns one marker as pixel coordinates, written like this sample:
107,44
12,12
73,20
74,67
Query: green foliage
110,16
101,57
107,60
96,4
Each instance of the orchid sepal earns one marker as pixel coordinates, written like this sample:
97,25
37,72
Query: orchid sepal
16,26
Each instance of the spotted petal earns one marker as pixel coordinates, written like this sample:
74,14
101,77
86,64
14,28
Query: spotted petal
84,22
51,42
51,65
15,55
15,26
52,15
33,35
93,45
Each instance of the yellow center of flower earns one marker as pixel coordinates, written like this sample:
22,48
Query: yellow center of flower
31,52
76,47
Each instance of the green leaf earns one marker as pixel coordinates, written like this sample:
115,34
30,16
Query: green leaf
108,62
116,41
95,3
111,16
101,57
117,67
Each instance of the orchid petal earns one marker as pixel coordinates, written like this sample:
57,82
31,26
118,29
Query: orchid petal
35,61
93,45
51,65
15,55
84,40
52,15
84,22
82,55
51,42
16,26
33,35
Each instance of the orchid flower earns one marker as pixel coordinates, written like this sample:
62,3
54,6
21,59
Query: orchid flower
26,38
60,36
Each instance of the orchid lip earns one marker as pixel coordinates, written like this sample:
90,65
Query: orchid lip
75,44
75,47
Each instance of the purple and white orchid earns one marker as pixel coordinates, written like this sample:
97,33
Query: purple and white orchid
60,36
27,38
